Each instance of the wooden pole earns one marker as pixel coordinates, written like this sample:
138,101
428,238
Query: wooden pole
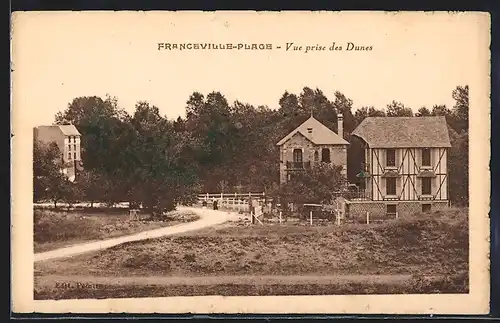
311,217
280,217
367,217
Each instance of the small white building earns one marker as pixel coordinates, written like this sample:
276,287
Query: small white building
68,139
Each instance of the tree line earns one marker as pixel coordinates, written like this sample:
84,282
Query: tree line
147,158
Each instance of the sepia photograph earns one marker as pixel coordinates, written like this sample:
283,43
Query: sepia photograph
198,155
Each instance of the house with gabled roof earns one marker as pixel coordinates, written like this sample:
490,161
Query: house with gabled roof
312,142
67,138
405,165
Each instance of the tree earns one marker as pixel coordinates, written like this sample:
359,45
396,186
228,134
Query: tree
440,110
461,107
365,112
101,122
343,105
48,180
45,159
317,185
94,187
398,109
159,161
423,112
458,165
458,160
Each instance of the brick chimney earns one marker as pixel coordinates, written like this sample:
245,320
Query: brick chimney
340,125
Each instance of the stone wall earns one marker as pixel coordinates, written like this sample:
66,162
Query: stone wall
357,210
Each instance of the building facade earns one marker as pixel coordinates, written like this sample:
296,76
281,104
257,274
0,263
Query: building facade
68,139
312,142
405,166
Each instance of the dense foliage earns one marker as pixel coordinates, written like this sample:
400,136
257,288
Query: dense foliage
149,159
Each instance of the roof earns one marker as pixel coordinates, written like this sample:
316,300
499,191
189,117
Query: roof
404,132
321,134
69,130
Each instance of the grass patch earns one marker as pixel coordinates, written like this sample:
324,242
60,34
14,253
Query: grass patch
426,245
440,284
56,229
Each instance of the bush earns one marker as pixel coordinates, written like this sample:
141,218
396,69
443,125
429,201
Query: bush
55,226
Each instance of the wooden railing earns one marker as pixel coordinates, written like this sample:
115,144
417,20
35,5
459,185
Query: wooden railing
298,165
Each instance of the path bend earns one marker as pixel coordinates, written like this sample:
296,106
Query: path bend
207,219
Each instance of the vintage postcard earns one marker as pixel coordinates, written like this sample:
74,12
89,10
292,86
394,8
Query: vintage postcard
250,162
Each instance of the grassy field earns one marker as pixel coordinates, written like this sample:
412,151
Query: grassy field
57,229
424,254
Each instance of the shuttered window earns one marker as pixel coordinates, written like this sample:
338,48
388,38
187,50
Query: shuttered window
426,157
390,157
426,186
390,186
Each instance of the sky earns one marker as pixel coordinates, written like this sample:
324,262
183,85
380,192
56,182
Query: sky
417,59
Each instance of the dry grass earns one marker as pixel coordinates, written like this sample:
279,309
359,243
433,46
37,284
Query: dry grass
436,285
430,244
56,229
431,249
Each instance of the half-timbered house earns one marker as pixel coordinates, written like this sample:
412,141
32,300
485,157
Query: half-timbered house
405,165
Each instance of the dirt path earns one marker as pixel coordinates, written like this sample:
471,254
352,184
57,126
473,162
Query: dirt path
208,218
70,281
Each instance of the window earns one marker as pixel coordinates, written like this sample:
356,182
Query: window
69,155
325,155
426,186
391,209
74,147
316,156
297,155
390,158
426,208
390,186
74,155
426,157
309,130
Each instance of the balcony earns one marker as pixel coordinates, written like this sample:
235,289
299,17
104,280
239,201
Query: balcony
298,165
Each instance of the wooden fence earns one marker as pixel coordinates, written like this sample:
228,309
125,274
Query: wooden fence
232,201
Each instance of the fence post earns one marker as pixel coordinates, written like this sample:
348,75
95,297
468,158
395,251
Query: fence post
280,217
367,217
311,217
